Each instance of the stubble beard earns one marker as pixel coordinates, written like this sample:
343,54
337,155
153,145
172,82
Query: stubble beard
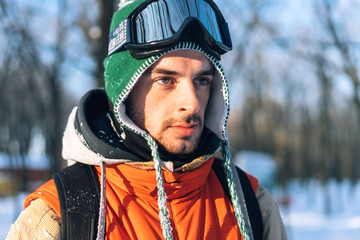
179,145
187,144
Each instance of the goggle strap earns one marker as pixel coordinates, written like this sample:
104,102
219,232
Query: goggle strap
119,36
227,34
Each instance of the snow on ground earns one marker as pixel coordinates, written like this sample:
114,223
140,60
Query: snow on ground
305,218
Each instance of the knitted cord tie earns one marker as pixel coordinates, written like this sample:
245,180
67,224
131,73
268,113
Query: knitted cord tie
234,194
164,212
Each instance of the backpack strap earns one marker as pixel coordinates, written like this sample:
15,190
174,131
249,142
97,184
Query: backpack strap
78,191
252,204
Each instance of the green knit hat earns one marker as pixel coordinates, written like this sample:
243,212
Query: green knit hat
122,71
121,66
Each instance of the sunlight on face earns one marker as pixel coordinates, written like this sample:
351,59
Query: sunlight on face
170,99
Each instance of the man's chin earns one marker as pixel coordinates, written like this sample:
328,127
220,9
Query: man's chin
180,148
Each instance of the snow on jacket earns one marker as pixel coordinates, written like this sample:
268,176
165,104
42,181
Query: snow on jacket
199,206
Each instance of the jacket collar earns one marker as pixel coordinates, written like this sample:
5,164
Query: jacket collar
142,183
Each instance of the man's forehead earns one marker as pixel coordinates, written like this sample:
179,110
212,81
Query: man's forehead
170,62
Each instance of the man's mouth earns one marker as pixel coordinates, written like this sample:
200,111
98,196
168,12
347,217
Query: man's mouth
185,129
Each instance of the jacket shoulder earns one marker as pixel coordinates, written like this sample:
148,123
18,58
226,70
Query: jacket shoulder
48,193
37,221
273,224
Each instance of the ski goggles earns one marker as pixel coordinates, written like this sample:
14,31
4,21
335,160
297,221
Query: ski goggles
157,25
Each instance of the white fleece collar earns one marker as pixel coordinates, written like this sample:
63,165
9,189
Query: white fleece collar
75,148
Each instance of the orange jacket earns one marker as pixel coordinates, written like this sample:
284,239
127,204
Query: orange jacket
198,206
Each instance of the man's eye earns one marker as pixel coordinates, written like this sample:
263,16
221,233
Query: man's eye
203,81
164,81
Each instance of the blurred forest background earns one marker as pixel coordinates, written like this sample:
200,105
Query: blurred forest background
293,74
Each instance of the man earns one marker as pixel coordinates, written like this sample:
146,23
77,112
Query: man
152,136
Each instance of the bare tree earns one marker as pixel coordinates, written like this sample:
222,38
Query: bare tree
304,127
96,30
347,48
31,88
20,103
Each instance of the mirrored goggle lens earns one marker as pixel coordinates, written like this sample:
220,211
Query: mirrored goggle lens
161,19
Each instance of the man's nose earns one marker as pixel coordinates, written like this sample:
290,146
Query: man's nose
188,98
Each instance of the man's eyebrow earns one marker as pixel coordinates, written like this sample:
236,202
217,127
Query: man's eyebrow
207,72
163,71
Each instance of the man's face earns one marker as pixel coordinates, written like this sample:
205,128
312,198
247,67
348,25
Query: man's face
170,99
